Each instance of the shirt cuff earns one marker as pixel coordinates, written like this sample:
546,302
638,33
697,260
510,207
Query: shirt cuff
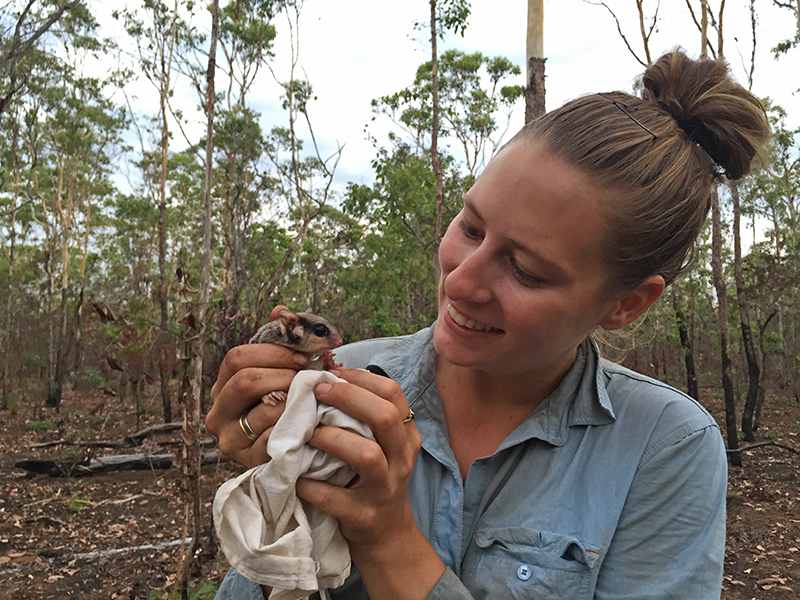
449,587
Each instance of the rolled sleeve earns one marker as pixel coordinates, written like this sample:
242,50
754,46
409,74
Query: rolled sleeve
449,587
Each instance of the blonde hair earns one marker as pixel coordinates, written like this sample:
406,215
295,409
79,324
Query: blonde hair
660,156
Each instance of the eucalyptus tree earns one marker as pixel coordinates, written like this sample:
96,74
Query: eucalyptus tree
24,26
444,15
391,277
474,94
247,35
159,30
534,61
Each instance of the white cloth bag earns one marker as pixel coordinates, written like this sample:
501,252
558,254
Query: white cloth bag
266,532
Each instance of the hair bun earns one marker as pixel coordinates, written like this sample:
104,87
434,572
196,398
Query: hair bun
719,115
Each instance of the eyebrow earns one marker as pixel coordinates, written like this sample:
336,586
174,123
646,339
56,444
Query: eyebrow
552,269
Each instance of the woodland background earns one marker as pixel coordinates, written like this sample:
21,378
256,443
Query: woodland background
134,254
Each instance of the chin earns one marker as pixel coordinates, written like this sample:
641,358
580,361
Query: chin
452,350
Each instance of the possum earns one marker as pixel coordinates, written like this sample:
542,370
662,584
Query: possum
303,332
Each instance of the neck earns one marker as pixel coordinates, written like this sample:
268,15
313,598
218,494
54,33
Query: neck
499,392
482,409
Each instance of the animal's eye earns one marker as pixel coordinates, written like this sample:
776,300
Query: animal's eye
320,330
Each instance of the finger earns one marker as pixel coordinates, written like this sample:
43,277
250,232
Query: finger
365,456
383,414
379,385
235,442
254,356
245,389
335,501
274,314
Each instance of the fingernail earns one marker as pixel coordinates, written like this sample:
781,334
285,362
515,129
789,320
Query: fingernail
300,359
335,372
322,388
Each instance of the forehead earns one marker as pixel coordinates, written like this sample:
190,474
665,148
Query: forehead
536,195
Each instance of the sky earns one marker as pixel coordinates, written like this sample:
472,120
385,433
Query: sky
355,50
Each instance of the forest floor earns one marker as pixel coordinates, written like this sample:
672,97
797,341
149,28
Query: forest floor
55,532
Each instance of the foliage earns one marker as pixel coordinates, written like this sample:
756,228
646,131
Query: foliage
77,502
40,425
471,94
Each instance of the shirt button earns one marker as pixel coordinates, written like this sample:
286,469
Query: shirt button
524,572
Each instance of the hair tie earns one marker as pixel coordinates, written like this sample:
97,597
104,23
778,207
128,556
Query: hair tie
698,134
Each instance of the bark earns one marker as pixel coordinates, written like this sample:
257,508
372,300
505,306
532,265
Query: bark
535,90
724,332
753,368
435,162
7,338
686,344
192,409
164,372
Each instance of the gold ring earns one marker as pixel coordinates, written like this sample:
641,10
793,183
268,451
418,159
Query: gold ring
248,431
411,416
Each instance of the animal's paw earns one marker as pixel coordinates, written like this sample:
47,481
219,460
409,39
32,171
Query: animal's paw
329,361
274,398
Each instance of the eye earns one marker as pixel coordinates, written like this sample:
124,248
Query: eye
320,330
469,231
524,277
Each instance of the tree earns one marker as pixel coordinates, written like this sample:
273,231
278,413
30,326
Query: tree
30,24
454,14
191,398
534,52
157,43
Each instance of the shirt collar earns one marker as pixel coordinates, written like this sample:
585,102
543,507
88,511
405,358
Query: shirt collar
579,400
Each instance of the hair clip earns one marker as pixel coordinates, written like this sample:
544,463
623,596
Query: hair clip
622,106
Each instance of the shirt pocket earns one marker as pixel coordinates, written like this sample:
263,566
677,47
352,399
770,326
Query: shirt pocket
522,563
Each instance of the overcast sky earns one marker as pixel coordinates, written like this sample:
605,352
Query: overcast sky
355,50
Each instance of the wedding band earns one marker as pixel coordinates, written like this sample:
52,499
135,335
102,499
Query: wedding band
410,416
248,431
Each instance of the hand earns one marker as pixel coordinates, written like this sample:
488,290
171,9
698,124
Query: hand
392,555
247,374
376,507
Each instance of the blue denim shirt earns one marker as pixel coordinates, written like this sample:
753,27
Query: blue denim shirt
613,487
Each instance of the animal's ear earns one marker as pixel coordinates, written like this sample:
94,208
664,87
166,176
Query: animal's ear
289,320
274,315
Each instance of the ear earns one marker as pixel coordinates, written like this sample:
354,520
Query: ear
276,312
289,320
629,308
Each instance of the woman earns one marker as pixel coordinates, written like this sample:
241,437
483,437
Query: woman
534,468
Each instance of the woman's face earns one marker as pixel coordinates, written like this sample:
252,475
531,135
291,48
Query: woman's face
523,280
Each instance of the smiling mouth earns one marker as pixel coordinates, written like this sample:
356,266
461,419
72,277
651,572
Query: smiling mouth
466,322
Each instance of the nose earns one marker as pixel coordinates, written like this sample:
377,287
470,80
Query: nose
470,277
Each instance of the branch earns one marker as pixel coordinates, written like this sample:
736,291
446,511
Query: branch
21,48
700,27
619,29
761,445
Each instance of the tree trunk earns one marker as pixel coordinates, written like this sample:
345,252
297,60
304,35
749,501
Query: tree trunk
12,240
753,368
686,344
435,163
534,90
724,332
192,408
164,371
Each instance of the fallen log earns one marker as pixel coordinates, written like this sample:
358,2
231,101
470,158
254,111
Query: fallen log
107,464
129,441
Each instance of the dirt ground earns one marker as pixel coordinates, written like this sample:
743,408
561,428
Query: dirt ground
56,533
